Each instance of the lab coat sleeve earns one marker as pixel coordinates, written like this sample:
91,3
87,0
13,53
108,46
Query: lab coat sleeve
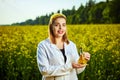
78,70
50,70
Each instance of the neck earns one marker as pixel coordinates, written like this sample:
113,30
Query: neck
59,43
58,40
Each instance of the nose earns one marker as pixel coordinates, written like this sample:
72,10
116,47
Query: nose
60,26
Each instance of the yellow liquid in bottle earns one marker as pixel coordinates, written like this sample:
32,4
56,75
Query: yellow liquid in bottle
82,59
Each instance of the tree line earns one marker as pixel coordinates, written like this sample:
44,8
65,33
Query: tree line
92,13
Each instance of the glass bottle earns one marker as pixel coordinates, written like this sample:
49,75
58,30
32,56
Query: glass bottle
82,59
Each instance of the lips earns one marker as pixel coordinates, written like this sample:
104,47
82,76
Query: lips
60,32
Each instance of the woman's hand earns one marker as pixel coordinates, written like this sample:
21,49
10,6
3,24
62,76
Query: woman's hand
86,55
76,65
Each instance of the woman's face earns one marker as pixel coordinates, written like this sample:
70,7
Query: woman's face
59,27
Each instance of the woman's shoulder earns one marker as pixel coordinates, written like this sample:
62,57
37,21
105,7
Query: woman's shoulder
43,42
71,43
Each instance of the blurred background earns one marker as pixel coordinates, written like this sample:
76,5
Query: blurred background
35,12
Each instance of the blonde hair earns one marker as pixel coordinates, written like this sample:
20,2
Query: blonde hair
50,28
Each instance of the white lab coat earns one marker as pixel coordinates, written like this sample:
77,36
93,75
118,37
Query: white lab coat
51,63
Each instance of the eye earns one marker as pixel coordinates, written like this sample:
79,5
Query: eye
56,25
64,25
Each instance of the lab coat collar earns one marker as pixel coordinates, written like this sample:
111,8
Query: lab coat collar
53,45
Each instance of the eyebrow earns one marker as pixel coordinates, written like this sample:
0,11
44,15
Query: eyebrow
58,22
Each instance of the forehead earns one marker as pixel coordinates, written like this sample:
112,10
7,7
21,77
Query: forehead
60,20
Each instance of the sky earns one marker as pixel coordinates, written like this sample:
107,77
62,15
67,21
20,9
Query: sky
12,11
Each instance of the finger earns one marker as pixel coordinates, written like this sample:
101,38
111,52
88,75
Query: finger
82,65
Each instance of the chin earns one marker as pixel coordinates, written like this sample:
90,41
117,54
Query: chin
60,35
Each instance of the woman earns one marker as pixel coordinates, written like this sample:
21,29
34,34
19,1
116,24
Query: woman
57,56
